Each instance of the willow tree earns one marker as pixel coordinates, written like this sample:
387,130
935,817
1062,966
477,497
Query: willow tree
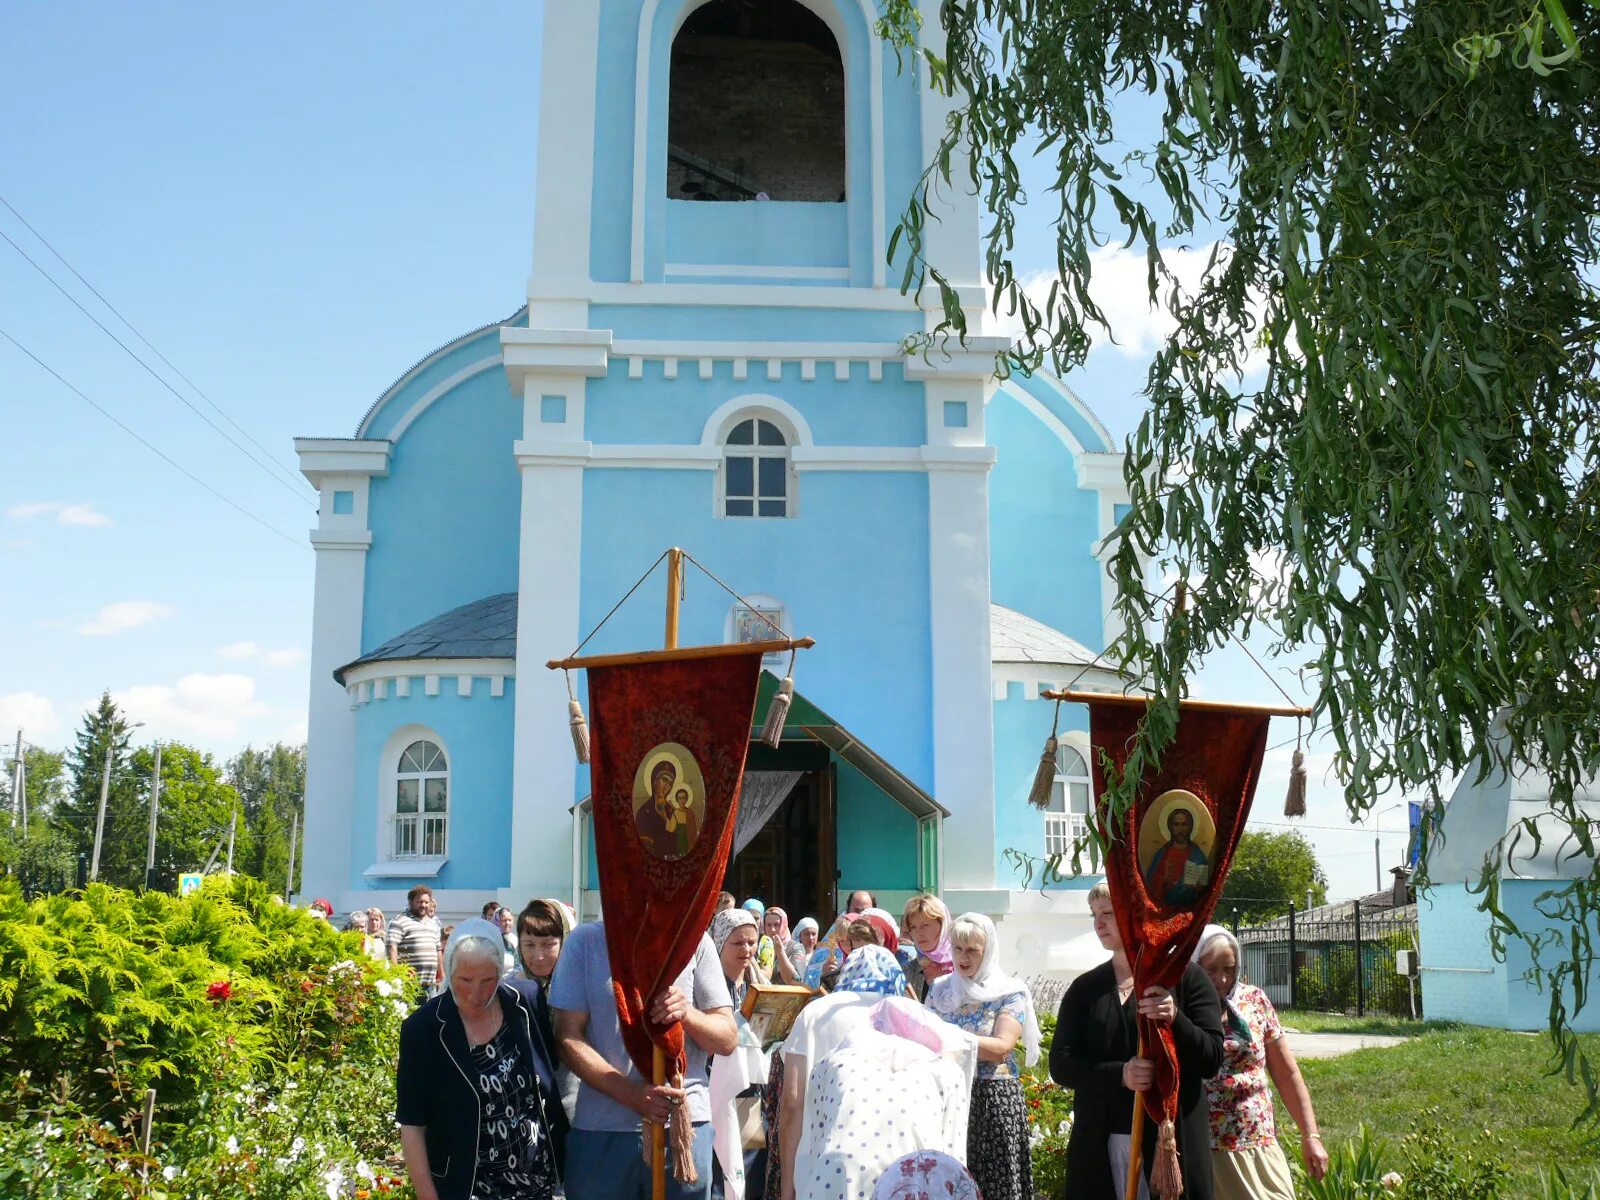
1403,199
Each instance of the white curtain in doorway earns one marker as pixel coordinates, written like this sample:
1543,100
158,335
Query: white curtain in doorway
759,798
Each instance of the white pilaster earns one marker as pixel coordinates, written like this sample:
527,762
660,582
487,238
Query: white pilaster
341,468
569,58
951,237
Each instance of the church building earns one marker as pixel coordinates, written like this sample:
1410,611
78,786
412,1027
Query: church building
713,355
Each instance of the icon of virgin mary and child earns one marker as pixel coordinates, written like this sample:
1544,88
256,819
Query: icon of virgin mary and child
668,822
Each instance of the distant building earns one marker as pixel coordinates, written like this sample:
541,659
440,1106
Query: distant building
713,355
1462,979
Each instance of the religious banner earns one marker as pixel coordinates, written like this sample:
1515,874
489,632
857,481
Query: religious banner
1167,860
666,758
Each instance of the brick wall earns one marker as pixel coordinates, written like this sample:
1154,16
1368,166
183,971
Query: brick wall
771,113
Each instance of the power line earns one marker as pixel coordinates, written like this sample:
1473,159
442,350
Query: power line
173,463
184,400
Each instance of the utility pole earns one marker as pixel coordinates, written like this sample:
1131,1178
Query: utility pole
1377,863
294,840
100,820
233,822
19,798
155,808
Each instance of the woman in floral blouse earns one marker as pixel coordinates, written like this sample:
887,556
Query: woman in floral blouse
998,1008
1247,1161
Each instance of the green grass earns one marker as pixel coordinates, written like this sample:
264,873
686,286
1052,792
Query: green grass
1475,1079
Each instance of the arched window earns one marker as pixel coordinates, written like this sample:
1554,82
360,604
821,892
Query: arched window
1067,818
755,105
755,470
420,822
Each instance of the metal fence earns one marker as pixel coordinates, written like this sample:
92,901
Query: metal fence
1341,958
48,881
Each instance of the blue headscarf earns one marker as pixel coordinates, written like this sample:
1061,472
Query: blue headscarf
872,970
755,906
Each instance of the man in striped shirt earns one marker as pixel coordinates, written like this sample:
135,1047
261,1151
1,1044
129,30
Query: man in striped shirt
414,937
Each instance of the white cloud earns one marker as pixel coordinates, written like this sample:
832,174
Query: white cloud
64,514
123,616
197,706
30,712
288,656
1119,284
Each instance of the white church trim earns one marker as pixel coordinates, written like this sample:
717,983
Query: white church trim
426,400
370,681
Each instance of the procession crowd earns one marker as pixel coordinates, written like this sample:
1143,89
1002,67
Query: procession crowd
903,1076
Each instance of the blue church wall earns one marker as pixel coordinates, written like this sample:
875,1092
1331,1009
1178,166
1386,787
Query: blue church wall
1033,494
790,234
753,324
851,570
670,238
476,736
877,838
395,403
1462,981
1020,729
445,520
1048,393
656,410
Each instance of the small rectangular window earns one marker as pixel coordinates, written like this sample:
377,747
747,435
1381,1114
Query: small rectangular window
742,508
774,508
405,800
741,477
772,472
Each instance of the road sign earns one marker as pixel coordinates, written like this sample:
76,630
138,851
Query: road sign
189,883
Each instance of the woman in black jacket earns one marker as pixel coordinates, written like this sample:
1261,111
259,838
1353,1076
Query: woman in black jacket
1095,1053
476,1097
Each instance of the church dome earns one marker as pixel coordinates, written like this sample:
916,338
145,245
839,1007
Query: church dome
1015,638
484,628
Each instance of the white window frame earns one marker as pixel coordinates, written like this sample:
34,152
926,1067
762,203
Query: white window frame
1062,826
389,816
757,452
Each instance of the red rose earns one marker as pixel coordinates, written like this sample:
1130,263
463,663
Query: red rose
219,991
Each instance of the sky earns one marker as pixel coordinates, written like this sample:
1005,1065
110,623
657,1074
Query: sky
292,204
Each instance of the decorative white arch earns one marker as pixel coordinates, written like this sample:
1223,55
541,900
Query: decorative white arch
755,404
827,11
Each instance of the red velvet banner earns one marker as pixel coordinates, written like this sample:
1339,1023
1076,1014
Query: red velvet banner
667,757
1172,850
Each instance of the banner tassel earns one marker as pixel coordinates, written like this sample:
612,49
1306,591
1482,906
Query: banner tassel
682,1137
1294,804
1166,1179
1044,779
580,726
778,710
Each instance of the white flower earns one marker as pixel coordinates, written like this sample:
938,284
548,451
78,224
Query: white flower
344,965
169,1173
400,1009
50,1131
231,1145
1391,1180
333,1181
296,1147
364,1171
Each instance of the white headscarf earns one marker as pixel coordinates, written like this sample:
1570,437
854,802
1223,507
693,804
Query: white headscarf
988,984
474,929
1232,1017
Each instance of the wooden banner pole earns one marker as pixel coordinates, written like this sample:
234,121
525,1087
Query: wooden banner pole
1136,1146
658,1059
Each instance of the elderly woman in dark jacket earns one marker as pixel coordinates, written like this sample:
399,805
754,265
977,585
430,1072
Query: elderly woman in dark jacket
1095,1052
479,1109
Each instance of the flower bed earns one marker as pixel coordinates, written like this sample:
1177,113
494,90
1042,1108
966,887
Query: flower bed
268,1039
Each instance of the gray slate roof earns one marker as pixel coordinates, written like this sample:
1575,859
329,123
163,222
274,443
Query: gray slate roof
1015,638
485,628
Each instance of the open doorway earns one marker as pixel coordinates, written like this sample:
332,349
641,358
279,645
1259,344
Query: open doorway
790,861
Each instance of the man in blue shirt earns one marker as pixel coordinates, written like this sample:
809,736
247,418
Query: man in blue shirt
605,1160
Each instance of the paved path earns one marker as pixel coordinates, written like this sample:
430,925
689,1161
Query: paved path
1331,1045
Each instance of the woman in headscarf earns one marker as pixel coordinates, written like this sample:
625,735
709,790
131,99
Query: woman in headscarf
1247,1160
841,1062
775,925
802,944
765,949
1095,1052
476,1094
734,933
997,1009
926,922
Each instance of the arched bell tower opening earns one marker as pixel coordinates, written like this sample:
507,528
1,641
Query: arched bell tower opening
756,105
